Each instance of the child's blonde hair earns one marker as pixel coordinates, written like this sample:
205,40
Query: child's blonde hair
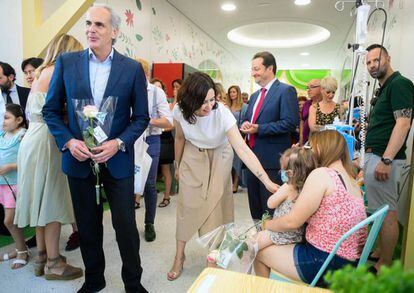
301,161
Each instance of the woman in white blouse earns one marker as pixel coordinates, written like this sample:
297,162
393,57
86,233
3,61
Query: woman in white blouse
206,131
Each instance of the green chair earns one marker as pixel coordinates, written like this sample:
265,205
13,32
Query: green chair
376,218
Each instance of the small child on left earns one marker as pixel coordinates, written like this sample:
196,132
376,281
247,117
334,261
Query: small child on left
13,131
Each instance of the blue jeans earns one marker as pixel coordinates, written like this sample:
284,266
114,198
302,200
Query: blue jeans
308,260
150,191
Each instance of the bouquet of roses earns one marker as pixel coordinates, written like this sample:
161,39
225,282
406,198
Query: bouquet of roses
233,246
95,125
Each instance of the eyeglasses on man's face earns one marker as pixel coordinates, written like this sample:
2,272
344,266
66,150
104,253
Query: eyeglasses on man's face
311,87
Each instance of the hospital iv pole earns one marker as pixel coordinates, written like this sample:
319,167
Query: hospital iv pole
360,78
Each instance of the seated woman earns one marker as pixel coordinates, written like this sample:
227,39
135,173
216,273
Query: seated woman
331,203
325,111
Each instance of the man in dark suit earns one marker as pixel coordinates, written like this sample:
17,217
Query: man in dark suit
273,114
12,93
96,73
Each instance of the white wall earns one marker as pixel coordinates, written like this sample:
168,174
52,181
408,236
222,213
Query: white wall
11,43
168,36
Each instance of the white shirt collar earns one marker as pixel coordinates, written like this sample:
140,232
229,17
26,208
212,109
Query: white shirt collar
93,57
13,89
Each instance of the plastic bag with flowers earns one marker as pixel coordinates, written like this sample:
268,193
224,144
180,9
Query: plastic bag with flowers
95,124
233,246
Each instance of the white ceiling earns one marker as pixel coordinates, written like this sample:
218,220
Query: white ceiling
208,15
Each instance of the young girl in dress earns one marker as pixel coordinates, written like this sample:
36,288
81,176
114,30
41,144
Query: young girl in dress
296,164
10,137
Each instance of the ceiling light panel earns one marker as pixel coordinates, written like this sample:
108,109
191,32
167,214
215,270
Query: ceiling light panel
228,7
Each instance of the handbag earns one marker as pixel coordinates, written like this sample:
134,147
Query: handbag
142,162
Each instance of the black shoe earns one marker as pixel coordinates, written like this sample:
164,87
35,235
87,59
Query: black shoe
150,232
372,270
31,242
73,242
88,289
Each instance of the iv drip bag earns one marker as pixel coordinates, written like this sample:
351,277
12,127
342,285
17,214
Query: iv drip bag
361,24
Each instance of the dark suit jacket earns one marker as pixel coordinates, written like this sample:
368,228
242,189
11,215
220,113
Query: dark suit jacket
278,118
71,81
23,93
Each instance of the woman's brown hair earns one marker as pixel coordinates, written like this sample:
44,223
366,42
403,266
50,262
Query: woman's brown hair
330,146
164,87
238,101
192,93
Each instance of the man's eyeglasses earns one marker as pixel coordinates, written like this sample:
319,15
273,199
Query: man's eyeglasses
312,87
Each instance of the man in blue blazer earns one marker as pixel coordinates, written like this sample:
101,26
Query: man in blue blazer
272,115
96,73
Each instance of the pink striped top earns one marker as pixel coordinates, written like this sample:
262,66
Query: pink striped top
337,214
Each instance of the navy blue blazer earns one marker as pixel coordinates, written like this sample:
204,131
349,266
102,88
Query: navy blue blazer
70,80
278,118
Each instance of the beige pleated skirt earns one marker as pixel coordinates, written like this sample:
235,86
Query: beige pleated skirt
205,198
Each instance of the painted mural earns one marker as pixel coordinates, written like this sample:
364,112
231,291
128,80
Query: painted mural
157,32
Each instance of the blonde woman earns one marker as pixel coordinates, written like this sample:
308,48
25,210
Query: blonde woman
221,96
238,108
324,112
44,200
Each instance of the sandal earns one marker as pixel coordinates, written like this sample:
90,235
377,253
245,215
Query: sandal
165,202
39,265
19,263
68,273
173,275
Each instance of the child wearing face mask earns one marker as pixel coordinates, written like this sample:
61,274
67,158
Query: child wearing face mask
10,137
296,164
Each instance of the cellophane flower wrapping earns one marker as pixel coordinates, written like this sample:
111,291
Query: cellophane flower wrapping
95,125
232,246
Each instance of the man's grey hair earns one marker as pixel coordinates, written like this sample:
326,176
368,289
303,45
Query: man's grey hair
115,18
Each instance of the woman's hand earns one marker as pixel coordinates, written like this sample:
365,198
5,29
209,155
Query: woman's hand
271,186
176,174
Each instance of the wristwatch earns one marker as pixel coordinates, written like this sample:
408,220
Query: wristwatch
121,144
386,161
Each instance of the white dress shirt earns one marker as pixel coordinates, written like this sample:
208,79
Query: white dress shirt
13,94
267,87
99,75
157,107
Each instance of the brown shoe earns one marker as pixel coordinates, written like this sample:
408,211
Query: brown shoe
60,270
40,263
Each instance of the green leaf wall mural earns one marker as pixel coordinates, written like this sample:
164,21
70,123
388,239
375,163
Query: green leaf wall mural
139,6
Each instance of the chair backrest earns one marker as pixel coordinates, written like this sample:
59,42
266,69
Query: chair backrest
376,218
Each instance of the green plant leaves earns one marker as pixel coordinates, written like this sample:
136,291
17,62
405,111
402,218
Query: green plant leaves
359,280
139,5
138,37
243,247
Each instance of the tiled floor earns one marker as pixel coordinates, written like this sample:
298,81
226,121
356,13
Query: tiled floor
156,258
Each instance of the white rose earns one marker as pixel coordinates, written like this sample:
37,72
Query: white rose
90,111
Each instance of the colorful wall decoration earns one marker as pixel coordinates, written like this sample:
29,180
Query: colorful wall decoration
157,32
